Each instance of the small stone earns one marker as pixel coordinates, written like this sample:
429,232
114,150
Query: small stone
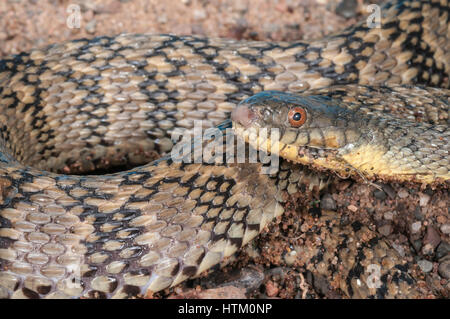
108,7
271,289
415,227
162,18
389,215
199,14
442,250
320,284
418,213
91,26
432,237
347,8
249,279
388,190
445,229
444,269
441,219
290,257
399,248
385,230
423,199
417,244
425,265
403,193
352,208
327,202
379,194
343,185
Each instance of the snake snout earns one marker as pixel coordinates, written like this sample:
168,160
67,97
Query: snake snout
243,115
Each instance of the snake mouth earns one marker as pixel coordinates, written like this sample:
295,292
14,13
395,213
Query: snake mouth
244,116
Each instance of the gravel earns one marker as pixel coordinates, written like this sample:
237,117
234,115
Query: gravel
379,194
424,199
443,250
431,240
425,265
445,229
403,193
389,215
415,227
385,230
444,269
347,8
327,202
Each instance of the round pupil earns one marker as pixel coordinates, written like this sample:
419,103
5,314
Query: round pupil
297,116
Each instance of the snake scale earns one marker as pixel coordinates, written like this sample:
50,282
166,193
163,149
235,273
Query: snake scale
109,101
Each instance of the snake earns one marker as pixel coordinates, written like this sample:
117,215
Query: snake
115,101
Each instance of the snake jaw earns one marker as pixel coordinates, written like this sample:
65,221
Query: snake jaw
244,115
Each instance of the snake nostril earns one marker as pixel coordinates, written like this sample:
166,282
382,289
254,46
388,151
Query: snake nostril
243,115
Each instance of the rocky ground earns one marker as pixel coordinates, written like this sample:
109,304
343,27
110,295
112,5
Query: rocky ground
415,221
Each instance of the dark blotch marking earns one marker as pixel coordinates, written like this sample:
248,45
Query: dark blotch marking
95,294
131,291
43,290
30,293
189,271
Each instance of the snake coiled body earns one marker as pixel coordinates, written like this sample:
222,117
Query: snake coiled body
109,101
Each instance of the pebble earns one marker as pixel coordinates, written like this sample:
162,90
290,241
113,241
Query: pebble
108,7
327,202
389,190
399,248
425,265
249,279
320,283
443,250
347,8
423,199
431,241
445,229
403,193
290,257
444,269
389,215
199,14
379,194
271,289
385,230
91,26
343,185
432,237
441,219
162,18
417,244
418,213
352,208
415,227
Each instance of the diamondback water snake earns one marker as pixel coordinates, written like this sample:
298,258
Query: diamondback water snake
97,103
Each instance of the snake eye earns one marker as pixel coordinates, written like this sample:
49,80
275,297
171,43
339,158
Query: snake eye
297,116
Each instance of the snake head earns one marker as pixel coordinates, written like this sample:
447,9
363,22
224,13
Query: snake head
313,130
314,121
